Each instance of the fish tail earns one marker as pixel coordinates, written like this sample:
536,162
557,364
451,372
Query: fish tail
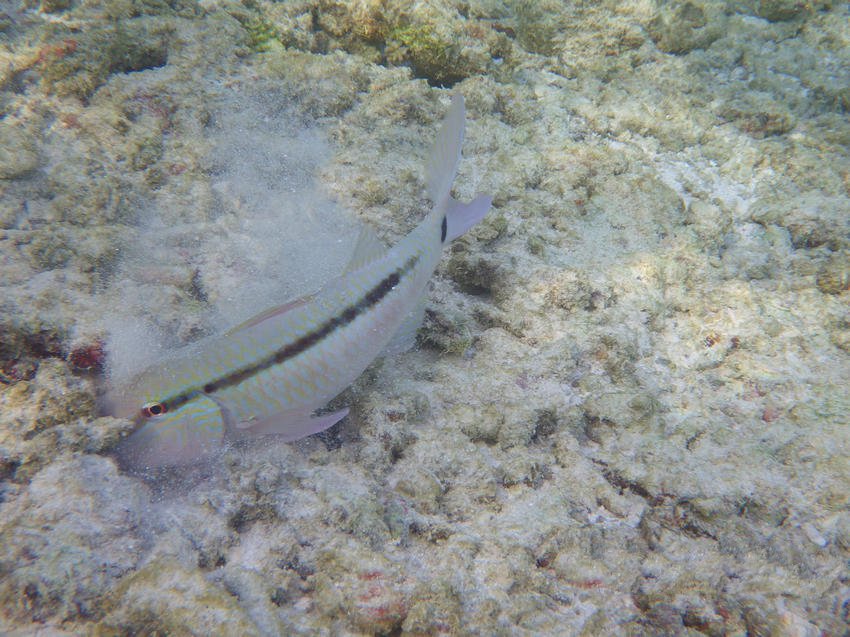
441,169
441,166
460,217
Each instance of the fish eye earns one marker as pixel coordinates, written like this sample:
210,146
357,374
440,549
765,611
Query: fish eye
154,409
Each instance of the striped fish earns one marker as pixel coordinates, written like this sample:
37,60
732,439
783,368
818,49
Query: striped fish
269,374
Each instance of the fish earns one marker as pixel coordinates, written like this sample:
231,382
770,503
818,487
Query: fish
270,375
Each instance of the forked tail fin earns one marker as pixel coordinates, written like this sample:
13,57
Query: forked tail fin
441,165
460,217
441,169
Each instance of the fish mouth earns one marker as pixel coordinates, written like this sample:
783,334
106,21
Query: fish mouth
112,403
107,404
128,454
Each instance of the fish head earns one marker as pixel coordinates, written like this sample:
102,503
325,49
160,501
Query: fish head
190,433
176,423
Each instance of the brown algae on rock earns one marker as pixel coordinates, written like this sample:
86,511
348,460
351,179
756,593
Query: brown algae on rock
627,411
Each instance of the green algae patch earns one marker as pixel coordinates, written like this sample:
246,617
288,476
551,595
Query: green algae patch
262,34
434,40
429,55
539,25
784,10
443,50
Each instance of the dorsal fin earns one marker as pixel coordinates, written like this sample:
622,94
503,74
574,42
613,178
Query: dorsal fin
271,312
441,165
367,249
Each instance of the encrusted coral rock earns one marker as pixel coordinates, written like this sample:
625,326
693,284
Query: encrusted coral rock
813,218
834,276
42,416
67,539
18,154
680,27
361,588
163,597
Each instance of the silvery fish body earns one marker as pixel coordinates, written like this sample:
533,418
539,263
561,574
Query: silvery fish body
268,375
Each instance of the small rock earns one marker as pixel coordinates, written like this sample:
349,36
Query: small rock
164,598
17,153
834,276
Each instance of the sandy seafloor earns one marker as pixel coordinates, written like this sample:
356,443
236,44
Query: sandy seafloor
628,409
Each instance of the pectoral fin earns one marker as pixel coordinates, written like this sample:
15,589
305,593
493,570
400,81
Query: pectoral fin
290,426
405,337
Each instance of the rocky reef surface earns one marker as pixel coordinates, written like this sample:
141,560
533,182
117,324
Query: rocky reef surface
628,409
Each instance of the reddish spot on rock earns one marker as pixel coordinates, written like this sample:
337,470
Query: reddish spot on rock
770,414
69,120
52,52
373,591
725,614
711,339
14,370
387,611
588,583
88,357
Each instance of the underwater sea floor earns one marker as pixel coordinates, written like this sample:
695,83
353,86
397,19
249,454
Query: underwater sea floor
627,412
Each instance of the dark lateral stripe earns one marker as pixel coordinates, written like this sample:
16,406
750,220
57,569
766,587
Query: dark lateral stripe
444,228
347,316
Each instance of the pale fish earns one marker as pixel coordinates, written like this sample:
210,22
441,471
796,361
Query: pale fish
269,374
